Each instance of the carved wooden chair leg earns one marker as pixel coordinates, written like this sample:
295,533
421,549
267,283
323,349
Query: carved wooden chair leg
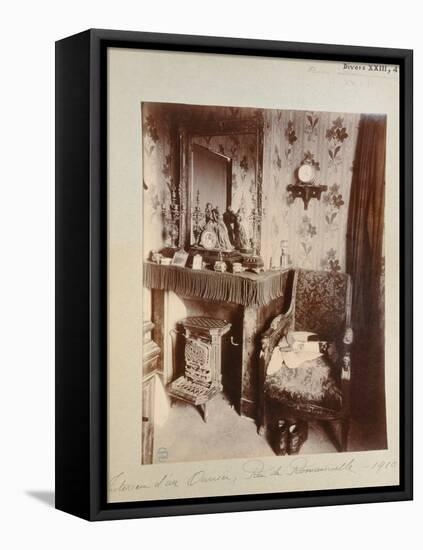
298,434
280,437
333,430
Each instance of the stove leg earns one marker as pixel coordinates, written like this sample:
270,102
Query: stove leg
204,412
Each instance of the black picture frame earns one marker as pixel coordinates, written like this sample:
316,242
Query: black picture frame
81,272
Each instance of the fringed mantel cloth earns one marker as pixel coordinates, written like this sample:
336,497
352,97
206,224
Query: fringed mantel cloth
247,289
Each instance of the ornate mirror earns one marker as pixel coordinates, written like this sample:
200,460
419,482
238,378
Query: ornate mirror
220,186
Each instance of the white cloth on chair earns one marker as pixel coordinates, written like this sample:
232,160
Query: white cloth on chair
293,350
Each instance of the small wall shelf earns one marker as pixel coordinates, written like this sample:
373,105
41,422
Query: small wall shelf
306,192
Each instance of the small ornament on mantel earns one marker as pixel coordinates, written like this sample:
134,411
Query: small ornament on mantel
284,257
197,261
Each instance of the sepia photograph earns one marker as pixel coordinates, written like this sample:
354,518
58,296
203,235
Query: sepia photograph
263,282
253,276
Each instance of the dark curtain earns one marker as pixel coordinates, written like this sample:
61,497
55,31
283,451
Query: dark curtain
364,257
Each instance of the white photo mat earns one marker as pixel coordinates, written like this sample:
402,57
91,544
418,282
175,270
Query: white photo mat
135,76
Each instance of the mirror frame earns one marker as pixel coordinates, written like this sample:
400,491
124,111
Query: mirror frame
186,133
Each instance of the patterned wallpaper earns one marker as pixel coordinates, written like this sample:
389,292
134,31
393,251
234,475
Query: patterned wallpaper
157,178
316,237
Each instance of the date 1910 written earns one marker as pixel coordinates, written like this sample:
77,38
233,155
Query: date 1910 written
370,67
382,465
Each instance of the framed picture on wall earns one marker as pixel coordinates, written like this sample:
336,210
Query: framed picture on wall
261,380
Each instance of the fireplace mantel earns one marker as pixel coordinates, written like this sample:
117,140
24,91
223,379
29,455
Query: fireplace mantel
246,289
247,300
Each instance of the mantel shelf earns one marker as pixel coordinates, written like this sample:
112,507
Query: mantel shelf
247,289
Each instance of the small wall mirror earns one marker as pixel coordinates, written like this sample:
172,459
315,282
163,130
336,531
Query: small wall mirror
220,186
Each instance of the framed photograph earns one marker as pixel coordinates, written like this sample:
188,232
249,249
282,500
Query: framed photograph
187,391
180,258
197,261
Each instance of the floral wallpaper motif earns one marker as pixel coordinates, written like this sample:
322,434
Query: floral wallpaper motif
316,237
291,138
151,135
310,126
157,176
336,135
330,262
306,231
333,202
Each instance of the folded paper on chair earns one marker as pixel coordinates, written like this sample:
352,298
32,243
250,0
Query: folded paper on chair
294,349
300,336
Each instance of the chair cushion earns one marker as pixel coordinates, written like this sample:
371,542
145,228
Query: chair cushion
310,383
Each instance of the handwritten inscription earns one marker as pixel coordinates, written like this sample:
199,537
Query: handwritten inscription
370,67
298,466
251,470
202,477
119,483
383,465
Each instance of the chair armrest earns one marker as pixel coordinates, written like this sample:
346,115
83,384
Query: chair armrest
269,339
278,328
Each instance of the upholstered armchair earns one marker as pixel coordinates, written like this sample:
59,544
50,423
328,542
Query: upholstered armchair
319,302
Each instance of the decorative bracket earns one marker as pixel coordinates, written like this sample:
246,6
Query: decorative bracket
306,192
